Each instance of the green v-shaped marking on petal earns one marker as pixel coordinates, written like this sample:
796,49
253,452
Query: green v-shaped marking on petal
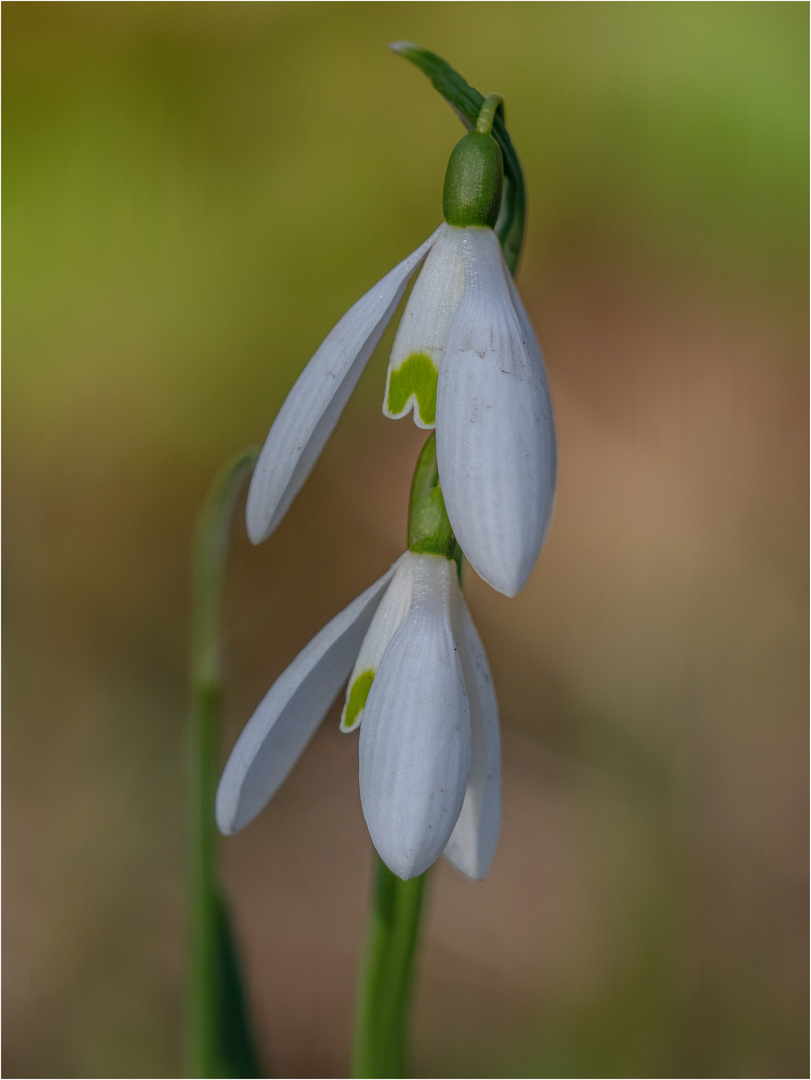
416,377
356,701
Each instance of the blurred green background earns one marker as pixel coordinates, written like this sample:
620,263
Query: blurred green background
193,194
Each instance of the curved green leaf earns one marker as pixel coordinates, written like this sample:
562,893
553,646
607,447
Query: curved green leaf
466,103
218,1035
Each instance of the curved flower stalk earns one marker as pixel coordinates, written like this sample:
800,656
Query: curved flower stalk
421,692
465,360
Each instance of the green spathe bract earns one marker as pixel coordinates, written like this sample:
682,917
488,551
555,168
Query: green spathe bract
415,378
473,182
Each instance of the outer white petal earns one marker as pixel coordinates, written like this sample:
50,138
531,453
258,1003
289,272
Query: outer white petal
288,715
415,738
495,433
312,408
473,842
424,327
391,611
550,439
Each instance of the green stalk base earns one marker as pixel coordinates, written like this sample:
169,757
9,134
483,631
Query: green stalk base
387,975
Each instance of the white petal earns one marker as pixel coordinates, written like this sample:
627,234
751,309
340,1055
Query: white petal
288,715
312,408
391,611
415,739
417,350
473,842
495,433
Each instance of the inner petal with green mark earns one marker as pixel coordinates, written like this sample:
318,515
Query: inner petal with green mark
413,382
356,696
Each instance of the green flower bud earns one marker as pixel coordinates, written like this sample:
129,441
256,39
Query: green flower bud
473,182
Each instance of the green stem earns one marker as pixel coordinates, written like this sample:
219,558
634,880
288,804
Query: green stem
201,993
387,971
217,1039
487,113
429,530
387,975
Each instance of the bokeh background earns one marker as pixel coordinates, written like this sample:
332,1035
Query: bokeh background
193,195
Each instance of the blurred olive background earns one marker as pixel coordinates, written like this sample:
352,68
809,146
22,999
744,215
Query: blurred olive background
193,195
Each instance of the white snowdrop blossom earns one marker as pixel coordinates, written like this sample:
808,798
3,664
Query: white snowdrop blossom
420,690
466,361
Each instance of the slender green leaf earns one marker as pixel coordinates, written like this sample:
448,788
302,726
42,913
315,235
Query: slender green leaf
218,1040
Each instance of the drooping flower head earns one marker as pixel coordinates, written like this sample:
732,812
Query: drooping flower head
421,692
465,360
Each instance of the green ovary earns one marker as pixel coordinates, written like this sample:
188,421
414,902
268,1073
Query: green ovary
417,377
356,701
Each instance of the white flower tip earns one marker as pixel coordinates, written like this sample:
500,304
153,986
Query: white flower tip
508,567
259,522
472,846
509,584
256,534
409,852
226,806
507,577
241,795
475,871
226,828
410,835
407,865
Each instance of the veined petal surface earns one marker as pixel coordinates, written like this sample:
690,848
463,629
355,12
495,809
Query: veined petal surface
495,434
287,717
417,351
550,439
415,737
312,408
391,611
473,841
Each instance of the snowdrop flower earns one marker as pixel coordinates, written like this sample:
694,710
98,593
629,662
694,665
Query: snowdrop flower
421,692
465,360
